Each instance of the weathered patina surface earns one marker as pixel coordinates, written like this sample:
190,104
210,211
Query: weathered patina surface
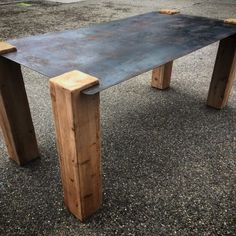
119,50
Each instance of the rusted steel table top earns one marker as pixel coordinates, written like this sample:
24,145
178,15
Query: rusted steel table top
119,50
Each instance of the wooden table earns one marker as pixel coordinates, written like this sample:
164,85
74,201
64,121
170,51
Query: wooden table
84,62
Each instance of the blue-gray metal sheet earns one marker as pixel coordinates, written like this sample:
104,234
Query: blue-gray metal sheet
118,50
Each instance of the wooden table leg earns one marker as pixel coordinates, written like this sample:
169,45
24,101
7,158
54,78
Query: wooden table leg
161,76
77,121
223,74
15,117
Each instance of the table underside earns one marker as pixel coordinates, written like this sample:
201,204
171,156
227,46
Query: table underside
119,50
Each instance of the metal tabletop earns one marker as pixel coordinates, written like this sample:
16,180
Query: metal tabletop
119,50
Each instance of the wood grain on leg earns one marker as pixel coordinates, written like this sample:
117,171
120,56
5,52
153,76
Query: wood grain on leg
15,117
161,76
223,74
77,121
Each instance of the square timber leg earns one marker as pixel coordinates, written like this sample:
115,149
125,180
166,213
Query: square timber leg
161,76
223,74
77,121
15,118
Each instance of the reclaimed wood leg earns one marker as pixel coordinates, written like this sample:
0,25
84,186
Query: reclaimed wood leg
77,121
15,117
223,74
161,76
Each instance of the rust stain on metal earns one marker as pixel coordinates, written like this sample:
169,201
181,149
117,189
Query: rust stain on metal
119,50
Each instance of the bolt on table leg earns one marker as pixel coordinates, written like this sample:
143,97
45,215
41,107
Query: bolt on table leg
77,121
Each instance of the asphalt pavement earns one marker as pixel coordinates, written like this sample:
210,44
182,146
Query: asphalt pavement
169,161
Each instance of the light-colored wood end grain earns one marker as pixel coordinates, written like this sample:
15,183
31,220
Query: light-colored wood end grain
169,11
6,48
230,21
75,80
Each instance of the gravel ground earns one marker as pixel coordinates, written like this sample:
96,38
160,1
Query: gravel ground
169,162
